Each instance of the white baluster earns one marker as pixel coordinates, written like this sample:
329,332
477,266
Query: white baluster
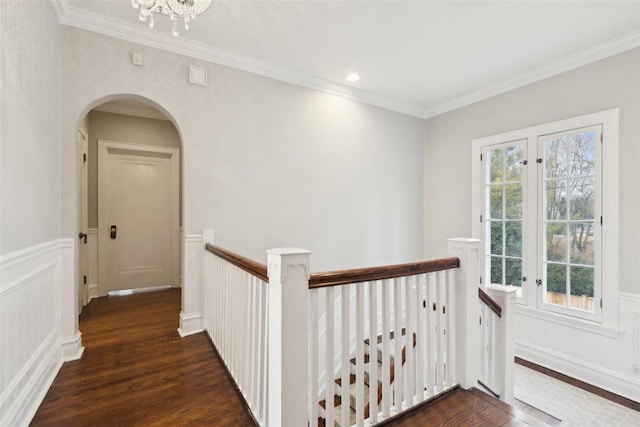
440,299
421,335
452,330
313,356
397,335
329,355
345,353
264,313
432,335
409,366
386,330
373,352
360,287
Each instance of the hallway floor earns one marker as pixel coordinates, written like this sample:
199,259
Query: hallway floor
137,371
570,404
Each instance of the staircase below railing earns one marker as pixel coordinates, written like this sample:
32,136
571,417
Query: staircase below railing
352,309
352,347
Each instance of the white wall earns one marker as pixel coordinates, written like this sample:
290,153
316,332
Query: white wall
30,109
36,266
266,163
610,83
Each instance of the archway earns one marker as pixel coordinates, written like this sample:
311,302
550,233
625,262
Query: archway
147,129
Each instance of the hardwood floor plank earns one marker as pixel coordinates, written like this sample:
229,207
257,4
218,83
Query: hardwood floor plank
137,371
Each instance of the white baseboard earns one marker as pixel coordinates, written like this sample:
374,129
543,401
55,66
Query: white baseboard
190,324
21,399
72,348
94,292
623,385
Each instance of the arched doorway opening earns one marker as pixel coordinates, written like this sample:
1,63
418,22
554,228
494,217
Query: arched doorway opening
129,198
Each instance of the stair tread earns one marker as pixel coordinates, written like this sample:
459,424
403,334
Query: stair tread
367,369
337,416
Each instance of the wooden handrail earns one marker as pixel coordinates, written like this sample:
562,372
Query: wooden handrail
248,265
490,302
357,275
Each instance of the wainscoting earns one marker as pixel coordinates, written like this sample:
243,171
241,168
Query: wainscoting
36,336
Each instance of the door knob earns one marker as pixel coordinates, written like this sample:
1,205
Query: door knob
114,231
83,236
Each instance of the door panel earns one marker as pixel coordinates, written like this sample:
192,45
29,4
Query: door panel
139,202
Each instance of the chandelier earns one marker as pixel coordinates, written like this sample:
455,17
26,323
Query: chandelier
186,10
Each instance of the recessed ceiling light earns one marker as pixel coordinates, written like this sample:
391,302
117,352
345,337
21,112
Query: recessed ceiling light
353,77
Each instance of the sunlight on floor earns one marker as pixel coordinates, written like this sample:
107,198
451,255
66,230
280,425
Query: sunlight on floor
574,406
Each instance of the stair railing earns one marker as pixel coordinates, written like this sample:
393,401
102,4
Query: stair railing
399,319
497,337
279,331
235,317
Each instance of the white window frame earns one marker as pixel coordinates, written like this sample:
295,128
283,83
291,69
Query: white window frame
609,187
521,295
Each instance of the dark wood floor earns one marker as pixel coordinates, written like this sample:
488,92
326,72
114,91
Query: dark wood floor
465,408
137,371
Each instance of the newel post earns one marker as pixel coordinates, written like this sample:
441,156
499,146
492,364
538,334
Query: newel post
467,310
288,349
505,339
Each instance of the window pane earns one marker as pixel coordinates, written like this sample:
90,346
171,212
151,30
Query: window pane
556,279
513,271
496,202
513,201
581,281
513,238
513,163
555,153
495,160
583,194
496,237
582,237
556,200
496,270
556,242
582,148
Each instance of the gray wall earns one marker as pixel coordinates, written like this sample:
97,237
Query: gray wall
30,125
610,83
123,128
265,163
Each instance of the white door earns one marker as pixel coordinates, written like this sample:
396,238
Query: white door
138,216
83,218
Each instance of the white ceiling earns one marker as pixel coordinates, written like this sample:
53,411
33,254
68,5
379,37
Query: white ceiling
421,58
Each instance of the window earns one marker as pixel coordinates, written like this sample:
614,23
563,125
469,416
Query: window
503,212
545,209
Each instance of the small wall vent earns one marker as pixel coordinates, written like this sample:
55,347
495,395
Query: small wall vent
198,76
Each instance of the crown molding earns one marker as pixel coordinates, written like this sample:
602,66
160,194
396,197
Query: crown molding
596,53
89,21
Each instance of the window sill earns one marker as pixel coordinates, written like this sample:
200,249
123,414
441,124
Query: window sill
572,322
